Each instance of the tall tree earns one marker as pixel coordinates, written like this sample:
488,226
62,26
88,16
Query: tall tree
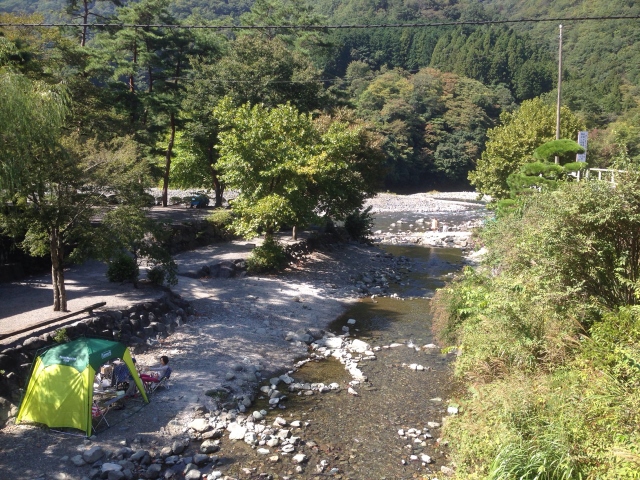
289,170
511,144
51,185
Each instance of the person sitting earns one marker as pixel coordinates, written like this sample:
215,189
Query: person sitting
156,373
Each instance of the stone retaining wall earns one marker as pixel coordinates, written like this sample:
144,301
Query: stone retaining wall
137,327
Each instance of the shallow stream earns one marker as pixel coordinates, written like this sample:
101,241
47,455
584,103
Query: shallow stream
358,435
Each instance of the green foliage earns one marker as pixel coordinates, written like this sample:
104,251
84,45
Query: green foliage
510,145
222,219
268,257
358,224
433,124
548,331
564,148
288,169
496,55
123,268
60,335
156,275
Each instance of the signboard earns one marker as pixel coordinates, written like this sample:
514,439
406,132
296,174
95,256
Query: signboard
582,141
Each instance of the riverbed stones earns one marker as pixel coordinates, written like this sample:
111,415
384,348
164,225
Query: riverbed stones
93,454
209,446
359,346
200,425
299,458
236,431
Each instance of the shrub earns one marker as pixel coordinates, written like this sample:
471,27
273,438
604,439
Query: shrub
156,275
269,257
359,223
221,218
60,336
123,268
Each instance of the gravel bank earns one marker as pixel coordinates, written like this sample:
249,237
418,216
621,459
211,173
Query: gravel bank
238,337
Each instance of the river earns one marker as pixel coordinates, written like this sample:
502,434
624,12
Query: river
358,435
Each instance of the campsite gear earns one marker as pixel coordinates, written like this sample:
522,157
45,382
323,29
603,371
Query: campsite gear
60,390
99,414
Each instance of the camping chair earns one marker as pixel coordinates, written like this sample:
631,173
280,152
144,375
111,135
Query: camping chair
151,384
121,376
98,414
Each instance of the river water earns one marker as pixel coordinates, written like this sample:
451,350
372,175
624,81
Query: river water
358,435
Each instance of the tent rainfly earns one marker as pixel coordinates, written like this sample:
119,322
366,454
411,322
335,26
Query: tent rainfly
60,390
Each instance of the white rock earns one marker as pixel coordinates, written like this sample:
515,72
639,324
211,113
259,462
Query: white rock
359,346
331,342
345,328
257,415
263,451
200,425
299,458
351,321
401,432
451,410
425,458
251,438
395,345
287,379
236,432
433,424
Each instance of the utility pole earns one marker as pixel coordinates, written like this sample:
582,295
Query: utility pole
559,90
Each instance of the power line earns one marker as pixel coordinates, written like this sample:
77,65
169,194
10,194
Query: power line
326,27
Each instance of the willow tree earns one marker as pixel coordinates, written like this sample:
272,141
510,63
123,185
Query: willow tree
33,169
52,184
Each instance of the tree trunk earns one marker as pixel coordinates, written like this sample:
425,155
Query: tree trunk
85,21
57,271
294,233
167,165
217,184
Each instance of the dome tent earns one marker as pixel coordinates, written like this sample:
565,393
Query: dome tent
60,390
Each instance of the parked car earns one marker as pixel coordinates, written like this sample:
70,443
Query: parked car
199,201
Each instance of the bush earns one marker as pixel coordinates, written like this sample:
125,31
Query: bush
269,257
156,275
164,271
123,268
359,223
60,336
221,218
549,335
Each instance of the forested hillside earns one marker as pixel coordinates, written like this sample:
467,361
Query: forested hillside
514,63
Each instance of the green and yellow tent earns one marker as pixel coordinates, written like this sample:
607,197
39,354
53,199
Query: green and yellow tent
60,390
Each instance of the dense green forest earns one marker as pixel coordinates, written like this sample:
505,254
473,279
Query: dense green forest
307,124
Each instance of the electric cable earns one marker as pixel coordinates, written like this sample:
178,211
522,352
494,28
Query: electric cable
325,27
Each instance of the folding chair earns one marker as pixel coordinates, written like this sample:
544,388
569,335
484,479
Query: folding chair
99,414
151,384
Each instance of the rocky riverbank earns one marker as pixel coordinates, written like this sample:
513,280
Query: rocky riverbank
245,331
